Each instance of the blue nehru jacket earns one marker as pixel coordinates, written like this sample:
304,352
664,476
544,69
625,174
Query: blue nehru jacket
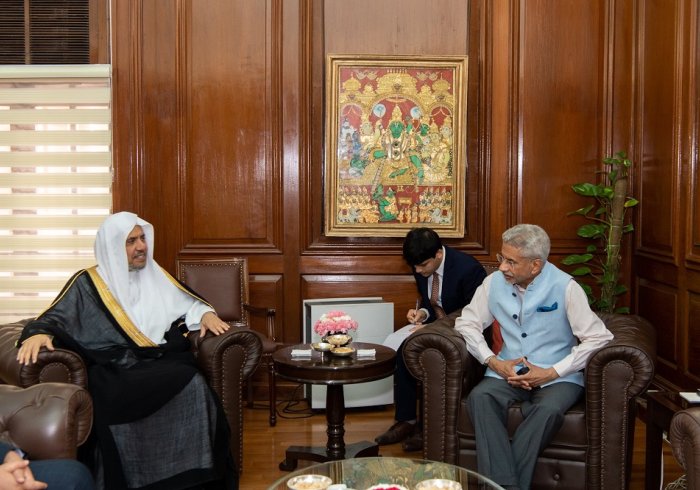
537,328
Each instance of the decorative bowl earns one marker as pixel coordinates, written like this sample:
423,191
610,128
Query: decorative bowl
309,482
438,484
321,346
342,351
338,339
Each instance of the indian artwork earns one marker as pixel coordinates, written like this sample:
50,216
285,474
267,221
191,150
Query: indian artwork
396,164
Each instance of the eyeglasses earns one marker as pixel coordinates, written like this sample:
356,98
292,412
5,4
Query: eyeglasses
509,262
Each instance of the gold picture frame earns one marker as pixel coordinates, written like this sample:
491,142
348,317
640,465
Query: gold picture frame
395,145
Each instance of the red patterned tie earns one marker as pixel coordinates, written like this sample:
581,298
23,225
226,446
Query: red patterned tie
434,293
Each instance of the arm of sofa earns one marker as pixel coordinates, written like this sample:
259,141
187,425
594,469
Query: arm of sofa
49,420
685,442
437,356
58,366
615,375
227,360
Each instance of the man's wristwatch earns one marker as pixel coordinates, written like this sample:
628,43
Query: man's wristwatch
488,360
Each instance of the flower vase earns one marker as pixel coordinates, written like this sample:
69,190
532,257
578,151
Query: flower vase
337,339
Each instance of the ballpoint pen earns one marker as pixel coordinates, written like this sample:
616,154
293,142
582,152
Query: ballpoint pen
416,310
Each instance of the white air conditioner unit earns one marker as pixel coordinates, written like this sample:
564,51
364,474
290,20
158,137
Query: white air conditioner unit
375,319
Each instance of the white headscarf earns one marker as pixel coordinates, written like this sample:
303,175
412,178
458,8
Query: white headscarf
150,299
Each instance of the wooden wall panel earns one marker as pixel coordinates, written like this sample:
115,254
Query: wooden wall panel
692,97
560,106
658,91
659,305
691,341
230,172
666,118
409,27
158,118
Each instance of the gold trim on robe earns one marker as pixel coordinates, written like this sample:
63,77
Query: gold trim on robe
118,312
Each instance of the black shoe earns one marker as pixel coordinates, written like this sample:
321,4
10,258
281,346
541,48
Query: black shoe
396,433
413,443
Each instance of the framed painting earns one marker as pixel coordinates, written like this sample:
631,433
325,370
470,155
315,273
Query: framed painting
395,156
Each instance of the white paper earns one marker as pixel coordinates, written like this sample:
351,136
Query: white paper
691,396
301,352
366,352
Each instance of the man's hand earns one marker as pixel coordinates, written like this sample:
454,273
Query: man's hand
504,368
210,321
534,378
29,350
416,317
15,474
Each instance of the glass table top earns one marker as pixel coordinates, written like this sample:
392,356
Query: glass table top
384,473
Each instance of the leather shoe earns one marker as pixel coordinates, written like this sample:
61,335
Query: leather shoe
396,433
413,443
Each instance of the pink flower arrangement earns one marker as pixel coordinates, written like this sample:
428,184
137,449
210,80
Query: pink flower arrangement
334,322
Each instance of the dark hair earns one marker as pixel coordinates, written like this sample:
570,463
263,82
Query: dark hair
420,245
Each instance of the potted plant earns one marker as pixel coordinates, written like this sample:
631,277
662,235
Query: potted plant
605,229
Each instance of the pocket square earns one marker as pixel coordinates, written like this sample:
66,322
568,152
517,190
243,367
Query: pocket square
545,309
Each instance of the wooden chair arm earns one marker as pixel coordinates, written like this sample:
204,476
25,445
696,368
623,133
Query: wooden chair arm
270,314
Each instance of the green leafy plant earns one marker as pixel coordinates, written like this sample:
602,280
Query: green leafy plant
606,226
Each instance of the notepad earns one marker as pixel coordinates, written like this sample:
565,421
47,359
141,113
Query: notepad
690,396
366,352
301,352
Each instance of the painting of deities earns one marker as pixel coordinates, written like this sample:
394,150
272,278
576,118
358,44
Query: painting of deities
396,161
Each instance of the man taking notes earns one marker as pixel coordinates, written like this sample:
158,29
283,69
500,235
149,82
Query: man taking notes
446,280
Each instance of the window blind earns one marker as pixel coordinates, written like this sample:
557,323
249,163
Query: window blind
46,31
55,178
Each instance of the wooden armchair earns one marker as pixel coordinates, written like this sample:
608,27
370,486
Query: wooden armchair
226,360
224,284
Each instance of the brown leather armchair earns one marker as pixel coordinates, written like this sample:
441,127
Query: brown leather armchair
226,360
593,449
46,421
685,442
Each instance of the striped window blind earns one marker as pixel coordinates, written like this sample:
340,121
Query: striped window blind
55,178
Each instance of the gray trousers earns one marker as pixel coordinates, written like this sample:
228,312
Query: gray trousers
512,463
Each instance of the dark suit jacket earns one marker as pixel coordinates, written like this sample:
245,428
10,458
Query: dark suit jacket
461,276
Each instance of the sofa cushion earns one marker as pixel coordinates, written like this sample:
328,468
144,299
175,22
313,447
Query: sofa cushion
571,437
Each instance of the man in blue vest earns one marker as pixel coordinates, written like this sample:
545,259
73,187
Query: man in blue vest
549,332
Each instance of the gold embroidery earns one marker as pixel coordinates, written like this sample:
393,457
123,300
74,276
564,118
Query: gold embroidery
118,312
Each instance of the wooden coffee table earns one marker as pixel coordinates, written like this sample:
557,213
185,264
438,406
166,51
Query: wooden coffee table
334,372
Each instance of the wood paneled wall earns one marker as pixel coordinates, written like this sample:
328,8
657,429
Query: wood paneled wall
219,137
